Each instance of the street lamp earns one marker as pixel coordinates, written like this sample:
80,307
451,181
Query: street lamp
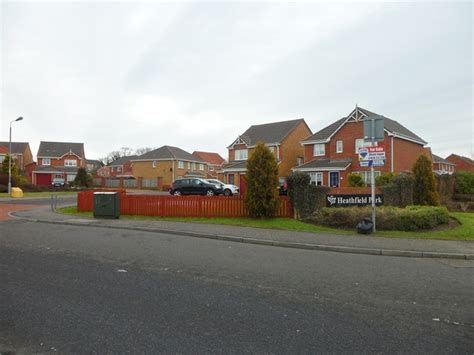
10,158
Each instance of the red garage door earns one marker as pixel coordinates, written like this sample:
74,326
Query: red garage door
43,179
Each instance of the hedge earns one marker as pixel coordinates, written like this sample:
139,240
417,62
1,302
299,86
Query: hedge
411,218
305,197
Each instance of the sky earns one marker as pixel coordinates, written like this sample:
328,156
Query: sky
197,74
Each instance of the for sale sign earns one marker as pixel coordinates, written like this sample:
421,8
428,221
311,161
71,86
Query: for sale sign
372,156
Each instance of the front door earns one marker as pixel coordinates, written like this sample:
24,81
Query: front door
242,184
334,178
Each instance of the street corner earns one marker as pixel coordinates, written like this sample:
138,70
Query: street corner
6,209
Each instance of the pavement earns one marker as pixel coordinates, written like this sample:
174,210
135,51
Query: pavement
356,244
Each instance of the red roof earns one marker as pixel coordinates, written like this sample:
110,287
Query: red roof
211,158
3,149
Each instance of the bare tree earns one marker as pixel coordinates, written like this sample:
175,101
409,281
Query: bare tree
143,150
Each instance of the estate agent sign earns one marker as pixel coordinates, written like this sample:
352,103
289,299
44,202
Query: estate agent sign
352,200
372,156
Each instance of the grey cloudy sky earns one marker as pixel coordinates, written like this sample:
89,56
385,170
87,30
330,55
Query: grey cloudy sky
197,74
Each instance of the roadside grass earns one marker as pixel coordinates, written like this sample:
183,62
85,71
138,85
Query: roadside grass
40,194
465,231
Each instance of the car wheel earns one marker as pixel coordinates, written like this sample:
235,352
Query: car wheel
177,193
209,193
227,192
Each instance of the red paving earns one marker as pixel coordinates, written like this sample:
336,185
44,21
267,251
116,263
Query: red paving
6,208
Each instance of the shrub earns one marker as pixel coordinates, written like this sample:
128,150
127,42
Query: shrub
464,182
82,179
446,187
399,192
305,197
412,218
261,198
355,180
424,192
3,188
384,179
4,179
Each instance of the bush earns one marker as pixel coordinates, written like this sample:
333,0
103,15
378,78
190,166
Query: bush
3,188
305,197
424,192
261,198
464,182
355,180
412,218
399,192
384,179
4,179
82,179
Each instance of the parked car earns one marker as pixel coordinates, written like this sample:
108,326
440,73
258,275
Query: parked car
282,186
228,189
58,182
194,186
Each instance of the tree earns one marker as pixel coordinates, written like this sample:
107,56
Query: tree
82,179
5,166
143,150
261,198
424,189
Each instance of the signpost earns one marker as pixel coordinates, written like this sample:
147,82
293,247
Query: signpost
373,132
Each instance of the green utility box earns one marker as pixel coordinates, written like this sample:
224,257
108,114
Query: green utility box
106,205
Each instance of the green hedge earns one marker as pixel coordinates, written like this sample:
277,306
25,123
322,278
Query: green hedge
465,183
305,197
411,218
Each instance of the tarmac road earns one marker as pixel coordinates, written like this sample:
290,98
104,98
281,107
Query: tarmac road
73,289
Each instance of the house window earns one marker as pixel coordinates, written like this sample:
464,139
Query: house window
319,150
180,164
201,166
194,166
153,164
241,154
230,179
316,178
46,161
70,162
359,142
367,176
299,161
339,147
2,158
189,165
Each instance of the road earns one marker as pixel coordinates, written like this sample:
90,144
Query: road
73,289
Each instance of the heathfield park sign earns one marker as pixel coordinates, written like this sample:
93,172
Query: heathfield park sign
352,200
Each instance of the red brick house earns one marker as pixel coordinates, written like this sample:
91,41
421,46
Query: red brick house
122,167
462,163
282,138
332,153
21,152
442,166
58,160
214,160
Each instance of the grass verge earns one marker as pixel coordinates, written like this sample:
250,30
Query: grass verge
465,231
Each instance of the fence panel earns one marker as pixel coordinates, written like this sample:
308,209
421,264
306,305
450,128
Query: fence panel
112,183
181,206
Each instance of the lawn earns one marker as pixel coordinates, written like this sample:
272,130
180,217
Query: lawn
41,194
465,231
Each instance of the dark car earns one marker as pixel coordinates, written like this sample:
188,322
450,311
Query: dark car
282,186
58,182
194,186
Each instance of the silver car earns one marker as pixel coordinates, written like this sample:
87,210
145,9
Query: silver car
228,189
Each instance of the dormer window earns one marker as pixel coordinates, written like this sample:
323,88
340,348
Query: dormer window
241,154
70,162
46,161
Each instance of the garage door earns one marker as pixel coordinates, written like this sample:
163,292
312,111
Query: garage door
43,179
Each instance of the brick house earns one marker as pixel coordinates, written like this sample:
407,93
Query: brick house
58,160
93,165
442,166
282,138
214,161
21,152
462,163
121,167
167,164
332,153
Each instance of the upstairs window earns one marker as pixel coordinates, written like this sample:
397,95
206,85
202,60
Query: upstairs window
201,166
180,164
319,150
153,164
46,161
339,146
241,154
70,162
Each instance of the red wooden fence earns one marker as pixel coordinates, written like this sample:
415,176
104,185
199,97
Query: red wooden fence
180,206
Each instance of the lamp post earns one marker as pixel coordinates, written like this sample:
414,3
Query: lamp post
10,157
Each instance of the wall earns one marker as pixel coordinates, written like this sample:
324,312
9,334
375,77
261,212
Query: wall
461,164
291,149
